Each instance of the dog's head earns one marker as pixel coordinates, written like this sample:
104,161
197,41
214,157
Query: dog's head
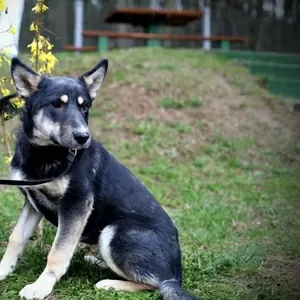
56,108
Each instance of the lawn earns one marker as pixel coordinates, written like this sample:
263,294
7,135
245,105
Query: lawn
218,152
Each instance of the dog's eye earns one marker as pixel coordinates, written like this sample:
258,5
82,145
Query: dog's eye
57,104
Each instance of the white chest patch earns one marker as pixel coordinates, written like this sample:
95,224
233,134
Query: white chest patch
57,187
16,174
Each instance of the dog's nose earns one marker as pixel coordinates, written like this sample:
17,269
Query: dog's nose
81,137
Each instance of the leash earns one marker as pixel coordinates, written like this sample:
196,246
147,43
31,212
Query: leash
70,159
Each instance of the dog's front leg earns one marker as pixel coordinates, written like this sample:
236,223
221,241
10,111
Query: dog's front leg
27,223
71,222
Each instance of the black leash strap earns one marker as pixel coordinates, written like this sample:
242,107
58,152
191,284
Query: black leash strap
70,158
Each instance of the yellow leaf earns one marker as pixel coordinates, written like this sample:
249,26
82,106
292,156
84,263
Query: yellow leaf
5,51
2,5
12,30
44,7
36,8
5,58
43,56
40,7
49,46
18,103
32,59
42,69
32,45
5,91
8,159
33,27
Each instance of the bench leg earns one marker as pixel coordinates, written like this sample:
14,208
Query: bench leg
102,43
225,45
154,28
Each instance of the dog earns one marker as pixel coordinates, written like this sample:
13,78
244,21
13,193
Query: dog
98,201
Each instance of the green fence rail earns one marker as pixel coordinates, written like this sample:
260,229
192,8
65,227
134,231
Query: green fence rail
275,71
282,71
284,88
283,58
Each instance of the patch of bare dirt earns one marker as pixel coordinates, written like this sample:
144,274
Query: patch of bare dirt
224,109
135,101
283,275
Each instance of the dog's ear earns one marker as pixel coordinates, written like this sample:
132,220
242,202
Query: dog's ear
25,79
94,78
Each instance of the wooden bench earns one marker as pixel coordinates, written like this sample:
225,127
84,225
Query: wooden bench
153,22
103,38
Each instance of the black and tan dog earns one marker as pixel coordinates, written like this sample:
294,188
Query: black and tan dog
98,201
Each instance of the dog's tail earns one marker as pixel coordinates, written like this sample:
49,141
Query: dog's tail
172,290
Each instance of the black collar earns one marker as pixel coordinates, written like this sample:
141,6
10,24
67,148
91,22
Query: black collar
70,159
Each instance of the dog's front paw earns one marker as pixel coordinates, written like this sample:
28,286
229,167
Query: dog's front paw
3,276
4,271
35,291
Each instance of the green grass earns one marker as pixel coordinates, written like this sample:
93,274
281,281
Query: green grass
234,200
168,102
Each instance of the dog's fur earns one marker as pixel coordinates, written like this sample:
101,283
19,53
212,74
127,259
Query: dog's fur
99,201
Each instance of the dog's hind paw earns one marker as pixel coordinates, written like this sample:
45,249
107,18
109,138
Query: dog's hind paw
121,285
93,260
35,291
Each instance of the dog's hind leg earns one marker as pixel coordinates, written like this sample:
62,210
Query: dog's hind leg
26,225
150,258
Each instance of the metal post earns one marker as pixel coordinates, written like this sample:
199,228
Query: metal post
178,4
205,6
153,4
78,28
